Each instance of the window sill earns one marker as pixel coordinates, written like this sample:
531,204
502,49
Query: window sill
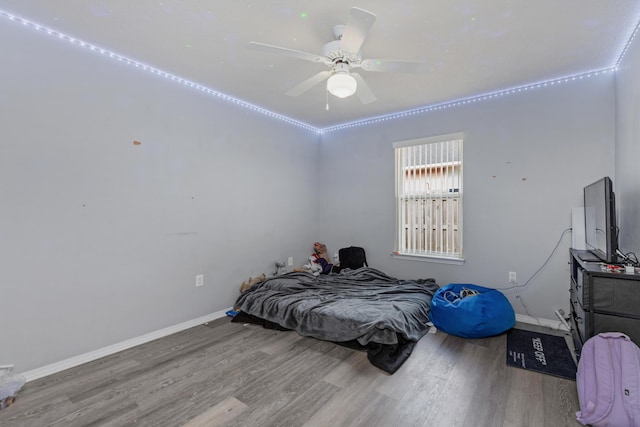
428,258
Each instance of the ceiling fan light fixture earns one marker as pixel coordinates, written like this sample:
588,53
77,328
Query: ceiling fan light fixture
342,85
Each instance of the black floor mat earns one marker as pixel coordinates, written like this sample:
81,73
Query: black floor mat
544,353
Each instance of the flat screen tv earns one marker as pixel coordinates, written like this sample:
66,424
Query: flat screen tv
601,233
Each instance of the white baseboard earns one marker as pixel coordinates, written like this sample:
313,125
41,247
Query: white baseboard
53,368
547,323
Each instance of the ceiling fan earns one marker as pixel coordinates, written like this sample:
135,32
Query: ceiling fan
341,56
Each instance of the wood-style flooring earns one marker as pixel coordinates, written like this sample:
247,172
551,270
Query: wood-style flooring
230,374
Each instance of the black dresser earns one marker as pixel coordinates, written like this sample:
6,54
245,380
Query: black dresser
602,300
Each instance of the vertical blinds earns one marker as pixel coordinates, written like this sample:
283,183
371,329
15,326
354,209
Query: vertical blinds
429,197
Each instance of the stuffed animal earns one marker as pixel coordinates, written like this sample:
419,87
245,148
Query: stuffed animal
313,267
252,281
319,262
320,251
322,258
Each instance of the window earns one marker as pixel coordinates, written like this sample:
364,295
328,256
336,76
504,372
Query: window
429,196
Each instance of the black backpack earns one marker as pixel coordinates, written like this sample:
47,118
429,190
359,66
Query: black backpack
352,257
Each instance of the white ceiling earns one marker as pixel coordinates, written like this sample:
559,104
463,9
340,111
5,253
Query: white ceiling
473,46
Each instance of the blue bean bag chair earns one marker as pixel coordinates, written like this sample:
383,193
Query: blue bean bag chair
471,311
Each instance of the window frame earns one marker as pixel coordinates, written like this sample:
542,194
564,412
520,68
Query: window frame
435,256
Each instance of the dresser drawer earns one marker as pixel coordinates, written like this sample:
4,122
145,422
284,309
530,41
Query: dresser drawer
582,288
626,325
614,295
578,340
574,294
578,320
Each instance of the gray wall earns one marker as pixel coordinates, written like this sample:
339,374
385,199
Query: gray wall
527,158
627,177
101,239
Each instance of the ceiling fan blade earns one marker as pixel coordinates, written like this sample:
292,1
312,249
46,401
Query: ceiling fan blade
358,26
284,51
386,65
363,92
309,83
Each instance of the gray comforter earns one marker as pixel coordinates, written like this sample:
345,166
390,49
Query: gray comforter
364,305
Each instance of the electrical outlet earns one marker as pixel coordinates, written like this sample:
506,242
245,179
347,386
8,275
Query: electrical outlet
290,261
199,279
512,277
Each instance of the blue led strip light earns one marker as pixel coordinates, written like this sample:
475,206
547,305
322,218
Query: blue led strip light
626,46
156,71
288,120
469,100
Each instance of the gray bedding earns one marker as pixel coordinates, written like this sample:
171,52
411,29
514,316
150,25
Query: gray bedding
364,305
